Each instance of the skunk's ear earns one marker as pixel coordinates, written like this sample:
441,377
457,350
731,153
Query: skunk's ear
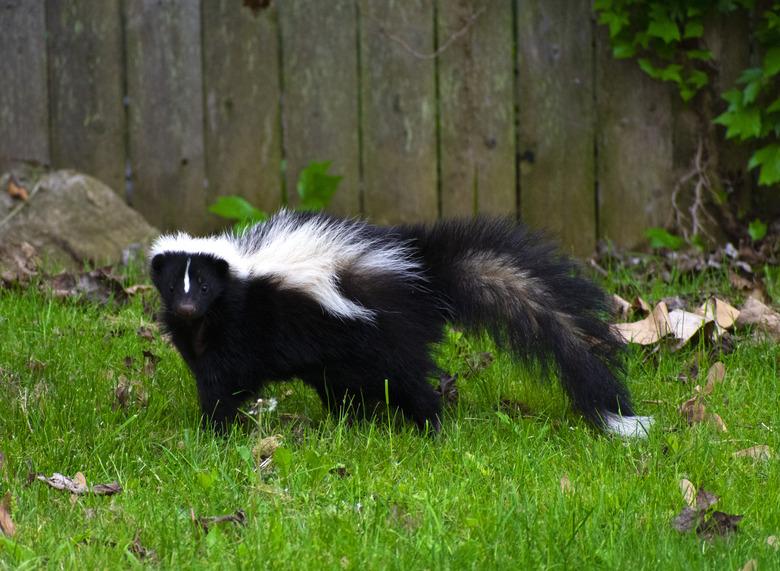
157,263
222,267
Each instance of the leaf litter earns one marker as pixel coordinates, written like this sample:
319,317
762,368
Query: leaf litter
204,523
698,516
7,526
77,485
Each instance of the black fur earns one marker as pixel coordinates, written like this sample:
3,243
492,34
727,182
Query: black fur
243,333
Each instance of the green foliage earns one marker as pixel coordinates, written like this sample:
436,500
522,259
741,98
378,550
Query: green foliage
666,38
660,238
757,230
315,188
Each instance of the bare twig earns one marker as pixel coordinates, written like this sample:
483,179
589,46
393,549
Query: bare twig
442,48
690,224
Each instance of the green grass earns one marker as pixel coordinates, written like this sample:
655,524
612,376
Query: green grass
484,494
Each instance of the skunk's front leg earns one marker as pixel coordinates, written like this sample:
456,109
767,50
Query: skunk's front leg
218,402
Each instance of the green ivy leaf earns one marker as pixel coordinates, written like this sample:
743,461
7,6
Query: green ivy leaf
768,159
660,238
623,50
751,91
649,68
757,230
772,61
693,29
665,29
774,107
699,55
316,187
740,122
237,208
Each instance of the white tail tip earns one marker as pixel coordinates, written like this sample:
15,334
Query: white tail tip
628,426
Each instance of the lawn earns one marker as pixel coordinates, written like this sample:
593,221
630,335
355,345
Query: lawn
515,480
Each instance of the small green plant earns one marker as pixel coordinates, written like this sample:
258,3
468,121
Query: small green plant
660,239
315,187
757,230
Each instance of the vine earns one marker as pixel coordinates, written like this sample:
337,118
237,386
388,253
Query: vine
667,39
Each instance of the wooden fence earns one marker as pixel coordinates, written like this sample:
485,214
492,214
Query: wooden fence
427,108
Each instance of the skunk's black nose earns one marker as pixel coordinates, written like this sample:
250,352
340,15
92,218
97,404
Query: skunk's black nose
186,310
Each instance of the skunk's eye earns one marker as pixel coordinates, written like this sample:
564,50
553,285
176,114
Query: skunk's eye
171,288
204,288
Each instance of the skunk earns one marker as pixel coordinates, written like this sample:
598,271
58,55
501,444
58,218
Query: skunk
353,310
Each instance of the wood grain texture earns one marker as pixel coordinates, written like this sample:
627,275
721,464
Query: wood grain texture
321,94
165,92
398,110
85,89
635,151
241,85
557,120
476,98
24,114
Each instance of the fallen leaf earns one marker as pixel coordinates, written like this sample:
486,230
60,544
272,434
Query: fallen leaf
19,264
688,491
719,523
641,306
566,484
78,484
674,302
447,388
141,552
750,565
718,422
98,286
205,522
340,470
721,312
705,500
715,375
684,325
754,312
146,332
150,362
693,410
138,288
16,190
130,393
265,447
479,361
7,526
759,452
773,541
622,307
649,330
689,518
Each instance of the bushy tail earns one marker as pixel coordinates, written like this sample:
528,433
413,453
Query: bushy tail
499,277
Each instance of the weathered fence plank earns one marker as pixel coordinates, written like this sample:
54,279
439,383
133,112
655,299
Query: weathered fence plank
476,99
241,86
634,146
557,123
85,88
398,110
321,94
24,114
165,91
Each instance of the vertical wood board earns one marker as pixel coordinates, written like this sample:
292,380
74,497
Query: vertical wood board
556,120
321,94
398,110
476,102
635,150
241,79
85,89
165,92
24,113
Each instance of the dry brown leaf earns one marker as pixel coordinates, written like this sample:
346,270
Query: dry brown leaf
750,565
649,330
759,452
684,324
724,314
78,484
138,288
566,487
641,306
622,307
205,522
688,491
773,541
754,312
715,375
265,447
16,190
7,526
20,263
718,422
693,410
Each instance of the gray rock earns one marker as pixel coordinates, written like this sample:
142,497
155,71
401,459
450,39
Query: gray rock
70,218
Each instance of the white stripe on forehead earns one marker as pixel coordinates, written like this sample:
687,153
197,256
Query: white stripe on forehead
187,276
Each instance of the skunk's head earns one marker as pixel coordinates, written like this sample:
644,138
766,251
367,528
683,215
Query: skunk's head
189,283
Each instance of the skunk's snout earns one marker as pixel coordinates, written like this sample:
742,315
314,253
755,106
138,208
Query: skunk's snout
186,309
